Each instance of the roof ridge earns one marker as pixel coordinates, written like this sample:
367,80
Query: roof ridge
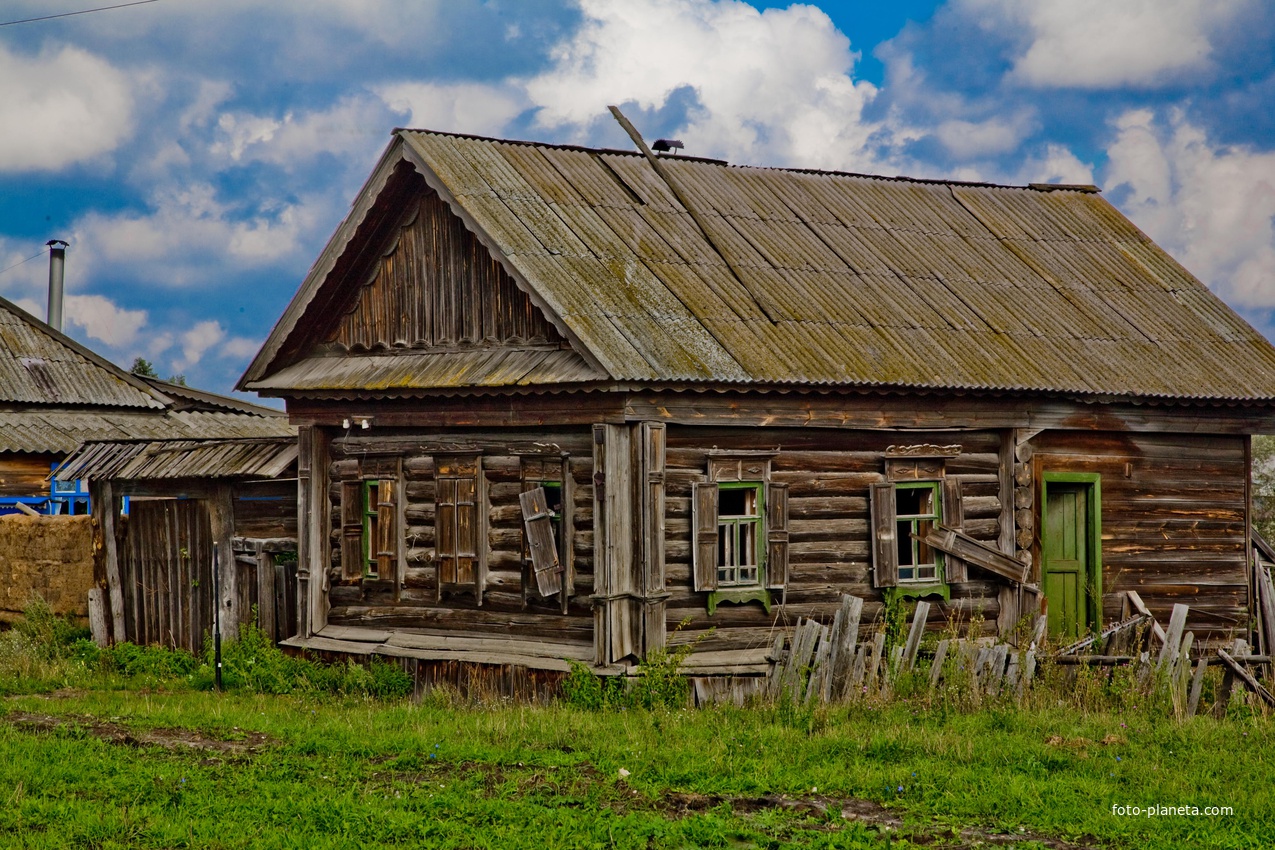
1088,188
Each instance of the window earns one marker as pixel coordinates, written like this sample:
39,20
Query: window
916,513
369,526
547,527
740,527
738,534
460,524
904,513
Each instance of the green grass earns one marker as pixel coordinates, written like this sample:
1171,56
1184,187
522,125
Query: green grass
127,747
347,772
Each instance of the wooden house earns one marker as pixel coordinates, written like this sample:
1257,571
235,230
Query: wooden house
562,403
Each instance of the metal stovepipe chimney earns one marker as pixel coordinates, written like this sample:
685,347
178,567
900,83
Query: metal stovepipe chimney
57,266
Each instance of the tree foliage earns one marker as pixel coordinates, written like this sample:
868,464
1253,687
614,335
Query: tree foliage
143,368
1264,485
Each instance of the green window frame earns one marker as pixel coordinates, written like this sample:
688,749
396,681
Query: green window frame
741,549
918,508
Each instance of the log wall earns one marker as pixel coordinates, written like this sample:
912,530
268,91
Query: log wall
828,473
1174,514
505,610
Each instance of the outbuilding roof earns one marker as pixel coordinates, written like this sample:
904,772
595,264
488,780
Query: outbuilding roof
709,274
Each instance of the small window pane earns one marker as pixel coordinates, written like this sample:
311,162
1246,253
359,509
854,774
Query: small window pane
916,509
738,530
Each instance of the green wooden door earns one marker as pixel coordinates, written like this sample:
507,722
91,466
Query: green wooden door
1066,558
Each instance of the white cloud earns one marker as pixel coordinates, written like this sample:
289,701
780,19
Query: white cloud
103,320
210,337
353,126
996,135
61,107
1212,206
197,340
771,86
1055,164
456,107
189,234
1106,44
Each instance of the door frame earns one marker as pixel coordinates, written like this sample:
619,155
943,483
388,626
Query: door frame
1093,525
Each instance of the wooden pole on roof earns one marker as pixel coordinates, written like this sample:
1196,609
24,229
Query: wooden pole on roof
771,310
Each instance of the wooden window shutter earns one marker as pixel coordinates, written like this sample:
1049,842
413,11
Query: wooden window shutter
704,547
654,444
445,532
386,528
777,536
542,546
885,550
352,529
954,568
466,534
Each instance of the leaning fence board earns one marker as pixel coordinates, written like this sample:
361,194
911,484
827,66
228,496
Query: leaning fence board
1197,684
874,662
936,666
819,665
914,636
1246,677
1172,639
843,644
1266,591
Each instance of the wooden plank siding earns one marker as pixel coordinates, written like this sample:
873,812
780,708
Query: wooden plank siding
435,285
828,473
505,610
1174,514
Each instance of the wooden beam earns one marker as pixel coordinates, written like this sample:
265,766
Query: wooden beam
1135,601
1241,672
961,545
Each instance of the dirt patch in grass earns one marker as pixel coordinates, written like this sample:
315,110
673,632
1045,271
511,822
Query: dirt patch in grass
866,812
114,733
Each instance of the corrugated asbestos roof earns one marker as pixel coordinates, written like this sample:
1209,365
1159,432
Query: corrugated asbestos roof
801,277
38,365
61,431
168,459
499,367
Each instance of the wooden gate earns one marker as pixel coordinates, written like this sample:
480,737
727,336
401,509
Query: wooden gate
166,569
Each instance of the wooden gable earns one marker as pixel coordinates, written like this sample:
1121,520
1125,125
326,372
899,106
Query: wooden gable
433,285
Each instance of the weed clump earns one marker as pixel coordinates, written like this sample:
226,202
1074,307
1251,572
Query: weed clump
254,663
659,684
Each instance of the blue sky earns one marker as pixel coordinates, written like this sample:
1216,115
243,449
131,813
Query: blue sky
198,154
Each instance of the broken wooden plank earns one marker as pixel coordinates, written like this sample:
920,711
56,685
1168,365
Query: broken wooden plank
1241,672
961,545
1135,601
1104,637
